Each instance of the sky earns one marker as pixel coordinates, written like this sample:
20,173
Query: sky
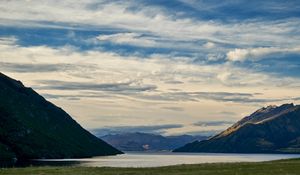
168,67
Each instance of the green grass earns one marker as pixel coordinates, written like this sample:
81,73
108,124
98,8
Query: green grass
282,167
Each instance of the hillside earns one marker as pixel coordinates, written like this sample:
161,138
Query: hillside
268,130
148,142
32,127
6,153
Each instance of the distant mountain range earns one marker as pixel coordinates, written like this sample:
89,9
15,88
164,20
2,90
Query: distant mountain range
272,129
148,142
31,127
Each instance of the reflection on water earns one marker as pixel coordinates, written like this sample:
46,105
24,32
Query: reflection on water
142,159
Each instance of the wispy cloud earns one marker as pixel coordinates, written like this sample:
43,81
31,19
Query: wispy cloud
173,108
158,129
129,39
257,53
32,68
215,96
213,123
8,40
128,87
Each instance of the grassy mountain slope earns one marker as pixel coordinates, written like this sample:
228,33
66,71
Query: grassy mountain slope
6,153
35,128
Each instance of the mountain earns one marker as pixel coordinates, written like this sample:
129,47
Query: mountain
148,142
6,153
272,129
31,127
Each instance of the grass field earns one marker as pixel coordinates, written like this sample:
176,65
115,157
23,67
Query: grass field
281,167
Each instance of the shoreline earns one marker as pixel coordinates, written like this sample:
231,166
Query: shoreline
150,160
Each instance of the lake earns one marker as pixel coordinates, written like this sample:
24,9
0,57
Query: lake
144,159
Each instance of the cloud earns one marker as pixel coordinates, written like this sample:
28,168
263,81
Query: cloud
157,129
257,53
215,96
93,83
8,40
36,68
215,56
233,10
153,129
205,133
227,113
97,91
173,108
82,95
142,30
152,60
209,45
128,38
153,74
146,41
135,91
125,87
213,123
164,23
174,82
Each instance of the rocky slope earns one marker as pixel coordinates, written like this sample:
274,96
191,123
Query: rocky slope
268,130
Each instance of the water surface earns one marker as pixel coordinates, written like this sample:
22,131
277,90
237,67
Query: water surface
144,159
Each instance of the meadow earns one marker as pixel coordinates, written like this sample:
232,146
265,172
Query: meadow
279,167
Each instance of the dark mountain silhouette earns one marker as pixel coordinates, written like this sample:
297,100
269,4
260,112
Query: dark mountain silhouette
32,127
148,142
268,130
